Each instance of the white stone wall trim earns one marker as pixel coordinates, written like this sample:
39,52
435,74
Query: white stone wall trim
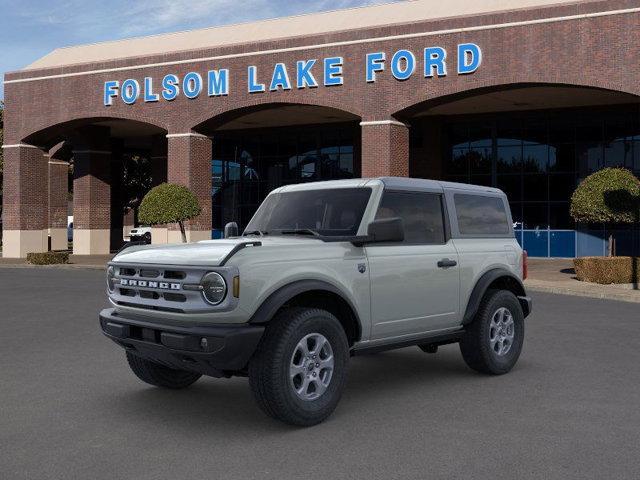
383,122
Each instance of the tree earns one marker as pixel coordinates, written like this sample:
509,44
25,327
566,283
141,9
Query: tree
169,203
611,195
136,181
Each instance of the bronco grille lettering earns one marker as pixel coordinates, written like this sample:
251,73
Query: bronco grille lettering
144,283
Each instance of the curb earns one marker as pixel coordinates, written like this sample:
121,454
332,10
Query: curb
63,266
603,295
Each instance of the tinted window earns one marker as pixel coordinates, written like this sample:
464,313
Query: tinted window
421,214
479,215
336,211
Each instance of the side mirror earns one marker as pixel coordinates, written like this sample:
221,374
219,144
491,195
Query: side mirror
386,230
231,230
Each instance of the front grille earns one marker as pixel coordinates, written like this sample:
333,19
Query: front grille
174,275
174,297
153,287
157,288
146,273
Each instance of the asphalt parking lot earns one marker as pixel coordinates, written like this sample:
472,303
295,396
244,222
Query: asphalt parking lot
70,408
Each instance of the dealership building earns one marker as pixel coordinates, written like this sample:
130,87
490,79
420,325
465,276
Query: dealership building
530,96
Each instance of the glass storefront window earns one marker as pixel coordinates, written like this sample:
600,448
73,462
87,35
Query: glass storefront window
536,187
562,157
509,159
537,158
618,154
511,185
559,217
561,186
459,164
535,215
589,157
480,160
250,163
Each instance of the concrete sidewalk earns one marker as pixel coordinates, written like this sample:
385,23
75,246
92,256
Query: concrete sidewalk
558,276
92,262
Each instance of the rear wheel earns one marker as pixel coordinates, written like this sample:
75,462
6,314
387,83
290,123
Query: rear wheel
159,375
493,341
299,370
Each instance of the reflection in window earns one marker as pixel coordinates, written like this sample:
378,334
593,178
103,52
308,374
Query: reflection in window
421,215
250,163
538,158
480,215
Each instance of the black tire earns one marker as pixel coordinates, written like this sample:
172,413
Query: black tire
269,374
147,237
476,345
159,375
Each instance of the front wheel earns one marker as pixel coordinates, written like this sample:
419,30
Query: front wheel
299,370
493,341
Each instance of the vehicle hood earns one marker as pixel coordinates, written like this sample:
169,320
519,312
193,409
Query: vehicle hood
207,252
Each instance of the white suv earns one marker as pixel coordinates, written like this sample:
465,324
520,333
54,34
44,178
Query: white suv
325,271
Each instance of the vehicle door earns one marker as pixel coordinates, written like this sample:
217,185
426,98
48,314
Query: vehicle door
415,284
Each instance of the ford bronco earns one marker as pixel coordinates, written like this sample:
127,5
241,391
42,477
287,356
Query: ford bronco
325,271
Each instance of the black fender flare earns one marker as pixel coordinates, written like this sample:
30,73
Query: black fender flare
280,297
482,285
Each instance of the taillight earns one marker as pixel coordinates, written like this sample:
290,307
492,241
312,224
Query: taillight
525,265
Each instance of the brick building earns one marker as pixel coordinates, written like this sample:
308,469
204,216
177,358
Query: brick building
528,95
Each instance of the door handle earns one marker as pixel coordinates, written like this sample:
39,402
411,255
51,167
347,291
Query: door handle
446,263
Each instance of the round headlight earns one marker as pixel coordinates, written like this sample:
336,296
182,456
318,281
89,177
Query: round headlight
214,288
111,273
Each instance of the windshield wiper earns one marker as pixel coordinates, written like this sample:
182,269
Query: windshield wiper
300,231
260,233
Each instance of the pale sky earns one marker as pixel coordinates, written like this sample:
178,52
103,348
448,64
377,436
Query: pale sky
30,29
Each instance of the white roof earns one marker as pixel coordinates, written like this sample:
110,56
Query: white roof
273,29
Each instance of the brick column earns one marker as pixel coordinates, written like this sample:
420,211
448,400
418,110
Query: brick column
159,233
92,192
58,191
25,210
385,149
117,207
189,164
158,160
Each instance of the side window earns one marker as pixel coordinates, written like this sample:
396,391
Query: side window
421,214
481,215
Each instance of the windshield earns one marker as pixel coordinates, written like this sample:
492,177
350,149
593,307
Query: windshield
327,212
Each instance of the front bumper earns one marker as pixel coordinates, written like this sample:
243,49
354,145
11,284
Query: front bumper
215,350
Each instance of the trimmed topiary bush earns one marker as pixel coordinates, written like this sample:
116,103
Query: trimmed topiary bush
169,203
611,195
607,270
48,258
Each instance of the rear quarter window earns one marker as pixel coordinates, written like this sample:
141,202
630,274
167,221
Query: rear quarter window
481,215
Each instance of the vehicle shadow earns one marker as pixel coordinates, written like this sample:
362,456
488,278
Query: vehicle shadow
227,405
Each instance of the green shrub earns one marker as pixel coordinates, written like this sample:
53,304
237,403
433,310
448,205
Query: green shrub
48,258
611,195
607,270
169,203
